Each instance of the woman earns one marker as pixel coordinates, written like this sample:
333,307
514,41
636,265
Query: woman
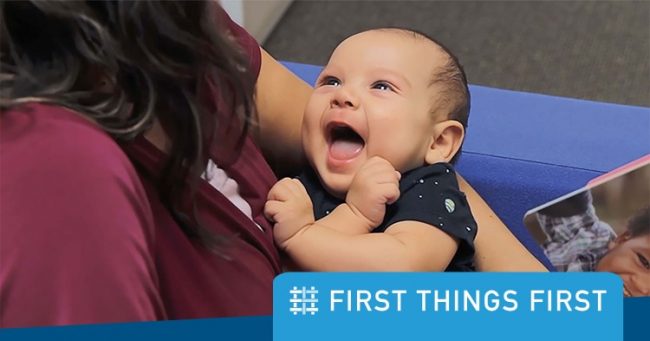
132,185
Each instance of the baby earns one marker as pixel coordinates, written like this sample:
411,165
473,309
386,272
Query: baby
629,255
386,119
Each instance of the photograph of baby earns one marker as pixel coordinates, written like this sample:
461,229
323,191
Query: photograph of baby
605,227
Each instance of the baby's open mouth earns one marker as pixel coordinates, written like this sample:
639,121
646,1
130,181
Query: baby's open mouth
344,142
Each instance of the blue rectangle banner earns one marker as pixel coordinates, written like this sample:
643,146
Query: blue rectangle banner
486,306
410,306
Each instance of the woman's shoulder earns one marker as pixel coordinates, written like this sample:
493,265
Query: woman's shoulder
53,153
37,132
30,117
62,172
247,42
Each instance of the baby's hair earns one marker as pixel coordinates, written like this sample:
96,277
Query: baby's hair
639,224
454,99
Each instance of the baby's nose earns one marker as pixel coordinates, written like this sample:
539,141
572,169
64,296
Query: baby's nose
343,98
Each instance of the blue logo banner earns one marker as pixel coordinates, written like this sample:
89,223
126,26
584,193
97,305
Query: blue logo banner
463,306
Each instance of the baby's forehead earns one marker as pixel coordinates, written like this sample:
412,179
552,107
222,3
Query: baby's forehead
641,241
394,37
405,46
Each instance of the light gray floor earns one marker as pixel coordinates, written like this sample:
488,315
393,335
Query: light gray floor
597,50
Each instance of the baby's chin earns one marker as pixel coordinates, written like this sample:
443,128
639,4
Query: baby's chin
336,185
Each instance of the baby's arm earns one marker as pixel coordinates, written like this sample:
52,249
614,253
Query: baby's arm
404,246
342,240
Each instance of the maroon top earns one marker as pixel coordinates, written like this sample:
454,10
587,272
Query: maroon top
85,239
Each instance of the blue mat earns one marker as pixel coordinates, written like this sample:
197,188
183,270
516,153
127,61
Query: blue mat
525,149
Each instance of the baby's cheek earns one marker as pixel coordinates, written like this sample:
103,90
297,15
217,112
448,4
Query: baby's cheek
310,143
397,157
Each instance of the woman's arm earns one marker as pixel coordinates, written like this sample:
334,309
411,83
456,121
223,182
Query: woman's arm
281,99
497,249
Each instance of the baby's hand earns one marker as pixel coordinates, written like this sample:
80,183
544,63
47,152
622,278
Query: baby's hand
375,185
288,205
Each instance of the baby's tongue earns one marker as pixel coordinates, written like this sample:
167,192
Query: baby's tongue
345,150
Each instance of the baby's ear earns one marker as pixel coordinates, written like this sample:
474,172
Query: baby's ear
447,138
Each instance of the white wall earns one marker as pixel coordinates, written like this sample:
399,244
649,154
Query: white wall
257,16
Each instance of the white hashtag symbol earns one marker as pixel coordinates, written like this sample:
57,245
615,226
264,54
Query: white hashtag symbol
303,300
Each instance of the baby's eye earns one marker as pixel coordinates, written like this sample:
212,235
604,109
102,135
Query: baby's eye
381,85
644,261
332,81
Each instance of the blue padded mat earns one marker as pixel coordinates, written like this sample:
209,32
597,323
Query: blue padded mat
524,149
554,130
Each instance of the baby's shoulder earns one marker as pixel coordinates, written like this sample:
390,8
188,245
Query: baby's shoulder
435,177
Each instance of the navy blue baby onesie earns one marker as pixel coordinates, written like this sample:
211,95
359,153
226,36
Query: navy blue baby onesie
428,194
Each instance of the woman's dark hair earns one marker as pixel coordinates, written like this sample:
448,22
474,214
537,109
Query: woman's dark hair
156,56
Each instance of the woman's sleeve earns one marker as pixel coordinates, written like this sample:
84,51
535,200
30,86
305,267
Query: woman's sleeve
250,46
76,230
